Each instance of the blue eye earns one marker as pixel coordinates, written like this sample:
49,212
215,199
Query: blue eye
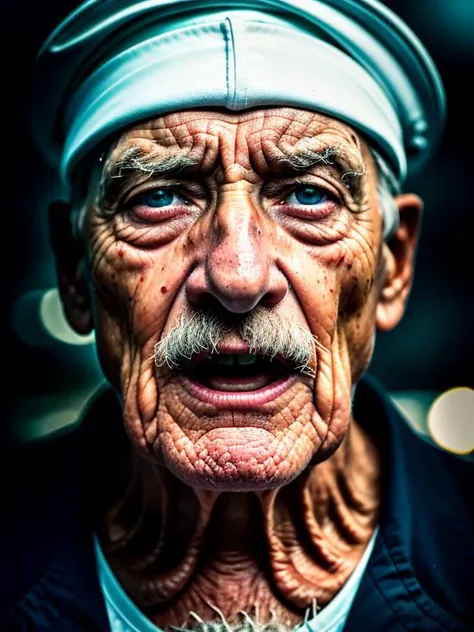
308,195
157,198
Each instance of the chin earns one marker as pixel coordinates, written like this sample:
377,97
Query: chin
237,451
234,477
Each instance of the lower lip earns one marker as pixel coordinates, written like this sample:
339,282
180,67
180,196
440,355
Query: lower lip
243,400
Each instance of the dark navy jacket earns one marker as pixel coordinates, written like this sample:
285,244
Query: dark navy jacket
420,576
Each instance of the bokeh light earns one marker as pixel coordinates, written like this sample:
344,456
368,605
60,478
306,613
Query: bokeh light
53,319
451,420
38,319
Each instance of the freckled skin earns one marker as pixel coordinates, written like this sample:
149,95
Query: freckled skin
242,255
237,248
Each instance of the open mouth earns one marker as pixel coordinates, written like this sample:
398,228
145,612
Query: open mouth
237,371
234,378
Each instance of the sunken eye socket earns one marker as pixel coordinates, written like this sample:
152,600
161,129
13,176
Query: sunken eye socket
307,195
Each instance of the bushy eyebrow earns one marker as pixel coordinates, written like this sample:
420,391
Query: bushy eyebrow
136,162
306,159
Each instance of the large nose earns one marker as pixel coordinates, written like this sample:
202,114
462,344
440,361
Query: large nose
239,269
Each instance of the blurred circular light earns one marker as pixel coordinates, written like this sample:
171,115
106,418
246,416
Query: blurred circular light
53,320
451,420
38,318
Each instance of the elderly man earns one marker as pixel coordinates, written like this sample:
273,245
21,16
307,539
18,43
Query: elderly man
235,234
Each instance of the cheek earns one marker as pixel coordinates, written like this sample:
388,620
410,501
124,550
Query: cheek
137,294
356,310
134,290
334,287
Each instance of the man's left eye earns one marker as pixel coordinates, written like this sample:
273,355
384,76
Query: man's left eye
307,195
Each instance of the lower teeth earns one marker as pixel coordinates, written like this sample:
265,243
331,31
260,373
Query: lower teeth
250,384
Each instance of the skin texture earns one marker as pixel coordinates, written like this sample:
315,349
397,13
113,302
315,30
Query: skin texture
272,504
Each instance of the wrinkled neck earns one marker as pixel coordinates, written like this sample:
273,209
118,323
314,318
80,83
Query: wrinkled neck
177,549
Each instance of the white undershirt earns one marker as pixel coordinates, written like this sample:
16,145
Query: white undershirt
124,615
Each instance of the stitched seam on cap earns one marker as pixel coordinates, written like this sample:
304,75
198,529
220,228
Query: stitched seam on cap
232,65
226,28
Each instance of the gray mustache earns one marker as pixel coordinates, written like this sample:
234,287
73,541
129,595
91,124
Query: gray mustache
265,331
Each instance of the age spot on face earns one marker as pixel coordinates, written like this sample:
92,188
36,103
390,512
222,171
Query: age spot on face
233,231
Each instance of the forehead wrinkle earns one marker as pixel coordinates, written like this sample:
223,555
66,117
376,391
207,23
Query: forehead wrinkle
201,138
215,146
275,141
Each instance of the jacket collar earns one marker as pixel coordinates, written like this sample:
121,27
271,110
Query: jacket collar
421,571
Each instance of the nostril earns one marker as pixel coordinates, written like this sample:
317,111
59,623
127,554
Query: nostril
215,300
200,298
268,300
216,286
274,296
206,301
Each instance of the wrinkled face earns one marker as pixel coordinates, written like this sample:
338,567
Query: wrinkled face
237,265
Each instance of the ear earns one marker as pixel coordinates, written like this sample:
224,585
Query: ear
399,260
70,267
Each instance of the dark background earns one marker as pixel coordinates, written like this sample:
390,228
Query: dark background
432,350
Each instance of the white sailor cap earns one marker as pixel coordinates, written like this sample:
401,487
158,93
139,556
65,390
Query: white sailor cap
112,63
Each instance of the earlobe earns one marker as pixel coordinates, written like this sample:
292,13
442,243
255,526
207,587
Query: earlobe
399,260
71,269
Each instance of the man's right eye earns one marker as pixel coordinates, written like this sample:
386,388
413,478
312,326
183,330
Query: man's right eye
157,198
157,205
